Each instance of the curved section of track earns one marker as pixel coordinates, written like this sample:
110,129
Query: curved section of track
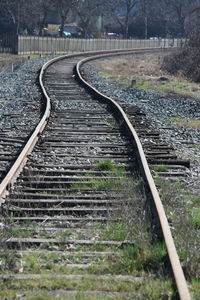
67,182
174,259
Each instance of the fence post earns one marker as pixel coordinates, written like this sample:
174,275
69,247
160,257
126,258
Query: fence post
14,42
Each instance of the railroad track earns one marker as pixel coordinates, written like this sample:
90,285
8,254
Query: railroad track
81,183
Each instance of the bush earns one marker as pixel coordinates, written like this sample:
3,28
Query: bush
185,61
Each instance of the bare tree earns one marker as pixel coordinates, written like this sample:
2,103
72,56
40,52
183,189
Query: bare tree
193,21
63,7
122,11
13,11
88,11
41,11
144,5
177,12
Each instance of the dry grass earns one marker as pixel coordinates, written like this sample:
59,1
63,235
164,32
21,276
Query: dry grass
148,73
6,61
132,66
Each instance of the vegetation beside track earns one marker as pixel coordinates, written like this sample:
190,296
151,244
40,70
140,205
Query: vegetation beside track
180,199
145,72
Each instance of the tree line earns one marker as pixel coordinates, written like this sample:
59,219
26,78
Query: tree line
130,18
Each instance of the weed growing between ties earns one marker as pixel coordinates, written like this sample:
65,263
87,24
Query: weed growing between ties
105,183
137,253
159,168
149,287
9,260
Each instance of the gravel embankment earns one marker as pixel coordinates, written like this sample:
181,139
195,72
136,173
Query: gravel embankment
159,109
20,94
20,103
20,107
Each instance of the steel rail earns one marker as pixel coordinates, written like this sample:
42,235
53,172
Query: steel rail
21,160
23,156
180,280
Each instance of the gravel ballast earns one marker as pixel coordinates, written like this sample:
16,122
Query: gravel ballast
159,109
179,195
20,107
20,101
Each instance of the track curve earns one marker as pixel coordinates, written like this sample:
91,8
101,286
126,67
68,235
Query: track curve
60,192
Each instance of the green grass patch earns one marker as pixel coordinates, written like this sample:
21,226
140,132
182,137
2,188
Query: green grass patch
9,260
107,165
147,288
146,259
98,185
104,183
183,122
195,289
115,232
160,168
166,186
21,232
194,216
182,88
134,260
144,85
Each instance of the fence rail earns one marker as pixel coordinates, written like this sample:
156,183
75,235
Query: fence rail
55,45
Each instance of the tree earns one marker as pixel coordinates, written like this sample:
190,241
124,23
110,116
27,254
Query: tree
42,10
88,12
122,11
13,11
63,7
194,17
144,6
18,14
177,13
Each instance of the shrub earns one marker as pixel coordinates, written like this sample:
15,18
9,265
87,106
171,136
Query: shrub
185,61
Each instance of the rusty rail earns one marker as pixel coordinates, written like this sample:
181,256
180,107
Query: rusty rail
20,162
23,156
172,252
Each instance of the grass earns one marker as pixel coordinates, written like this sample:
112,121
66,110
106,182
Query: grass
180,202
105,165
149,287
147,70
165,187
183,214
9,260
169,87
138,253
146,259
194,216
98,185
160,168
124,81
105,183
21,232
115,232
184,123
8,60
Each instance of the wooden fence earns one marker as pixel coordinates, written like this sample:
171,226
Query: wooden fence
55,45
